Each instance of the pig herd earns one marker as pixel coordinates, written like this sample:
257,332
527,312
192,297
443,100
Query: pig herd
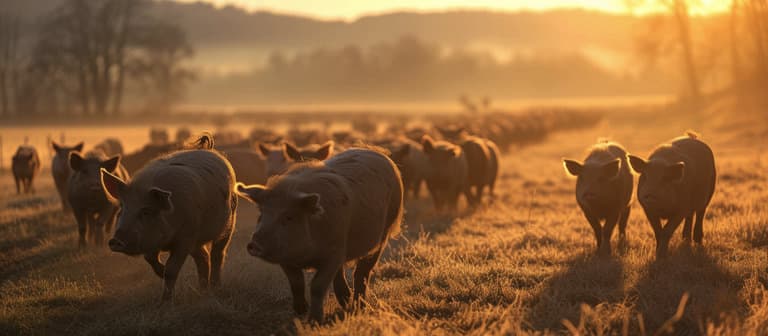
331,205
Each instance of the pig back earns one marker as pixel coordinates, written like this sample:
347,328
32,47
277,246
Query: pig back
700,172
201,183
477,157
375,200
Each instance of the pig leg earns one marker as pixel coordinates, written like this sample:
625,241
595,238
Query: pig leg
341,288
661,247
597,229
610,224
623,223
109,221
103,225
172,268
416,188
662,240
153,259
698,229
296,280
18,186
218,252
203,261
480,190
687,227
363,273
82,227
318,289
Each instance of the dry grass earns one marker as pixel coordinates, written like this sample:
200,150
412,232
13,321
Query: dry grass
523,264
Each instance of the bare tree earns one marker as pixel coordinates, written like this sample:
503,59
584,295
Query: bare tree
88,50
161,69
9,62
679,11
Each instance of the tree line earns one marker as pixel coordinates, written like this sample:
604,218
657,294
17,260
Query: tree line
736,48
86,56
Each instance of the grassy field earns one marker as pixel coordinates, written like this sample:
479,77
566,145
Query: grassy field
522,264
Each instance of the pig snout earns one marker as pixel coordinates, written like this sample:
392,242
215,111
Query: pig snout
117,245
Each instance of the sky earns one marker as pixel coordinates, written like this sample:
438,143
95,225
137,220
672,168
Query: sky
352,9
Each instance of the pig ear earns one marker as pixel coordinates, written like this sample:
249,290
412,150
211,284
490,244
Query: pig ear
573,168
611,169
675,172
113,185
428,144
292,152
325,151
637,163
311,203
161,199
75,161
55,146
111,164
253,193
263,149
78,147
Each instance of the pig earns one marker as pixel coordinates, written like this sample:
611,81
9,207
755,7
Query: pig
603,191
25,166
493,166
158,136
94,212
183,203
676,183
249,166
110,147
183,134
413,163
447,174
325,215
136,160
61,171
478,161
278,159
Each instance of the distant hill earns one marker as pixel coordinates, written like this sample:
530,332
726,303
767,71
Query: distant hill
234,28
234,48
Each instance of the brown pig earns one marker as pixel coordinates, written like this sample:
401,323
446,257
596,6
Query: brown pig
676,182
61,171
25,166
94,212
413,163
249,166
493,166
183,203
603,191
447,174
325,215
279,159
478,167
110,147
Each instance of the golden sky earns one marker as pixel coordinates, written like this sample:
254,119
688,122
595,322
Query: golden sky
351,9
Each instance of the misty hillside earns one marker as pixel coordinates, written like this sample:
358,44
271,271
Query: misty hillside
261,57
231,27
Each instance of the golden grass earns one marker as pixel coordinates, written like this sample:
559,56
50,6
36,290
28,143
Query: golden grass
522,264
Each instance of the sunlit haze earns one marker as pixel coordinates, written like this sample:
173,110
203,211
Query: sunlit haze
351,9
